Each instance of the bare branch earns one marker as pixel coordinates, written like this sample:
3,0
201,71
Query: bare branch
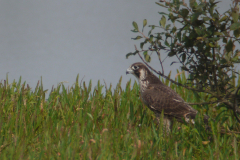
159,57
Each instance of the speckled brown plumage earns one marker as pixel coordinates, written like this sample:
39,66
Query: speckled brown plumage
159,97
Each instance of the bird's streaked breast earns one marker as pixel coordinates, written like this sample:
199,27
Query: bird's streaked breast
143,85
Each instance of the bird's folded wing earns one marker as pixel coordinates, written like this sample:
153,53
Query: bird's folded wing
162,98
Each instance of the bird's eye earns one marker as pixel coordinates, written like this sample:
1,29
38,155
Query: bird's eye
134,67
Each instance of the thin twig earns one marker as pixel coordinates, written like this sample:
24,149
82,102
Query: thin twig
143,35
158,53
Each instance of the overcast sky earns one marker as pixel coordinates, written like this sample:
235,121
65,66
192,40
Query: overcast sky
58,39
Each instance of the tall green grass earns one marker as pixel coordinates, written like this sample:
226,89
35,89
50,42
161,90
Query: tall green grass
82,122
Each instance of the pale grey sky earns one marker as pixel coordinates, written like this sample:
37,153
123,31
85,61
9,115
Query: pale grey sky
59,39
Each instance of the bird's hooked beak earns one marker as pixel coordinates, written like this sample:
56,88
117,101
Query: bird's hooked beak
129,70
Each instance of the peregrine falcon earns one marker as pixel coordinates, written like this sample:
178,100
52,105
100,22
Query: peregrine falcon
159,97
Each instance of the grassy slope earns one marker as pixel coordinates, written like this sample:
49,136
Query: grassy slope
86,123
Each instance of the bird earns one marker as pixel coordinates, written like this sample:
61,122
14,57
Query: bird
160,98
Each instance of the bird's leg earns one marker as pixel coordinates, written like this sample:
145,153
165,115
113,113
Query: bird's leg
167,123
157,119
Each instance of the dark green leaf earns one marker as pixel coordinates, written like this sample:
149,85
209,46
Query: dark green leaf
184,68
138,37
179,35
235,26
159,4
214,39
223,27
173,63
211,44
174,29
211,1
218,33
151,38
129,54
135,25
199,31
206,18
229,46
134,30
195,16
172,17
224,40
172,53
235,59
223,18
163,21
211,9
167,35
167,27
193,35
141,45
162,13
145,53
235,16
146,56
200,7
183,57
237,32
166,43
184,12
237,53
144,22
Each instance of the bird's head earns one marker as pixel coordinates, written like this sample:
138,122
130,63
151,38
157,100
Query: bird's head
139,70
